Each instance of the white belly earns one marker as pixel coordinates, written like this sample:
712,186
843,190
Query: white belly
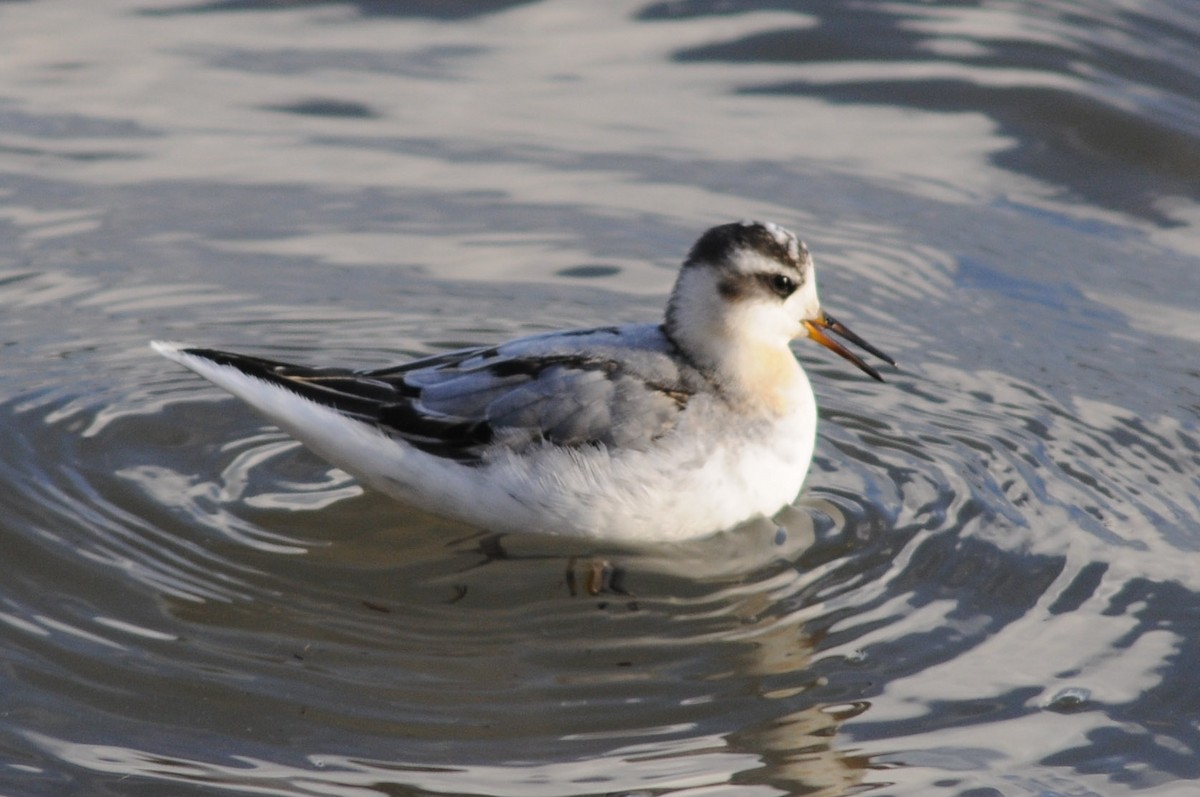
695,482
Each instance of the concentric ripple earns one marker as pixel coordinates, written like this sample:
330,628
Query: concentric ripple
249,582
988,585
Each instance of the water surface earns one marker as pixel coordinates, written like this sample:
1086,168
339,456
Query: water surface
988,587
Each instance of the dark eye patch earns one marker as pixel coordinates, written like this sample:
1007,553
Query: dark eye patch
781,285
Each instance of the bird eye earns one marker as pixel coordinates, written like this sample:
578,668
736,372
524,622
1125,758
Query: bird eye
783,285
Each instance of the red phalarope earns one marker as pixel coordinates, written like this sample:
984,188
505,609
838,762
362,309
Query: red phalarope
657,432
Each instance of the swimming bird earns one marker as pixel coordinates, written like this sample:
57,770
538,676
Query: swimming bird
643,432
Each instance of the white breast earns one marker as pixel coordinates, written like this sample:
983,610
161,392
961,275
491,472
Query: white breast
713,472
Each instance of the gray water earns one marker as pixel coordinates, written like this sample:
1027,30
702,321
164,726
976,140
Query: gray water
989,586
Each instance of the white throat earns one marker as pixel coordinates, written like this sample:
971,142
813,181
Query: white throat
739,345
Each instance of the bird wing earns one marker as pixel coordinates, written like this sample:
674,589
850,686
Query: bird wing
614,386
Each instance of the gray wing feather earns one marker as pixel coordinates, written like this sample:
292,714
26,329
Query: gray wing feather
612,387
569,405
617,386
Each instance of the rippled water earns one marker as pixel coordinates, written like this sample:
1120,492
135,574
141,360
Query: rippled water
990,585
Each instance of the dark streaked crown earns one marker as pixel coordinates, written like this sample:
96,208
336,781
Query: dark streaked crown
720,243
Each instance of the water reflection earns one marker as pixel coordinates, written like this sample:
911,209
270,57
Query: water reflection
288,603
1074,89
956,520
285,616
712,740
435,9
987,586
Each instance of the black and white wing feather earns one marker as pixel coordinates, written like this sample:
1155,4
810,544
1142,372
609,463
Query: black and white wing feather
565,389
